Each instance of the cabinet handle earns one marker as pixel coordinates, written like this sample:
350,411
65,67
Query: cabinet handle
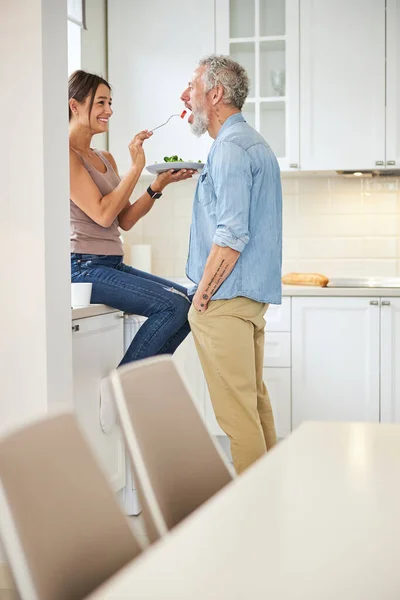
379,163
374,302
75,327
294,166
385,302
391,163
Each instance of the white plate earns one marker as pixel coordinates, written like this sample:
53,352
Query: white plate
166,166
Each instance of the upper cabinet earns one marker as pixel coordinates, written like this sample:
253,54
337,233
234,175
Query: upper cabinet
392,84
153,49
263,36
342,84
325,76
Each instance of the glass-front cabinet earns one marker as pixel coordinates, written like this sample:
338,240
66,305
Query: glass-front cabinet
263,36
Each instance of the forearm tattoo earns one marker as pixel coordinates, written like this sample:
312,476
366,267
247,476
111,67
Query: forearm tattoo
216,279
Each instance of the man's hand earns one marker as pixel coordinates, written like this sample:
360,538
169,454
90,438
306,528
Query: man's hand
200,302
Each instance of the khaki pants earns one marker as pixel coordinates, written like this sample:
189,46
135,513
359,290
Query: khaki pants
229,339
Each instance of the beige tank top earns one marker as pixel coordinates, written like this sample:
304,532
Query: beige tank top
87,237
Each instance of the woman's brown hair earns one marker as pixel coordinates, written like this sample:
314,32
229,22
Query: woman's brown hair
81,85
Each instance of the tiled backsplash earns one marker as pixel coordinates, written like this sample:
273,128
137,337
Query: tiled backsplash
332,225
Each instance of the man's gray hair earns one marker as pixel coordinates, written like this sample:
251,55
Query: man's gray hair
222,70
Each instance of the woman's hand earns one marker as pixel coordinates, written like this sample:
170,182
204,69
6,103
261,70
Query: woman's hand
171,176
136,148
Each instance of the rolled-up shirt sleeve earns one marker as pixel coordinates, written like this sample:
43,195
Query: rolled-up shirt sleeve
232,181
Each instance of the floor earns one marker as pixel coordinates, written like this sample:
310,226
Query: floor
138,527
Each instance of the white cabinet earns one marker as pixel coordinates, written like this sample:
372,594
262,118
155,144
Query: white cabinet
392,84
97,346
342,84
277,364
335,359
263,36
153,49
390,360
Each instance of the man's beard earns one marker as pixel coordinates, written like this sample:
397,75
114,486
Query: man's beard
200,122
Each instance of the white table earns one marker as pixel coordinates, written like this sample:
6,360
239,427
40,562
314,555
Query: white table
317,518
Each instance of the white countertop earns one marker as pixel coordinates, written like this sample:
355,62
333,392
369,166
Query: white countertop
310,290
287,290
316,519
91,311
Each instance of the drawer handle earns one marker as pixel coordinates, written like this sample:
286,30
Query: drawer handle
75,327
374,302
385,302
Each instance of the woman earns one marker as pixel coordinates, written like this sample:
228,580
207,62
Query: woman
99,206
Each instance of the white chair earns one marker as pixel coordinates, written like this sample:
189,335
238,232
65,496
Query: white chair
60,523
176,463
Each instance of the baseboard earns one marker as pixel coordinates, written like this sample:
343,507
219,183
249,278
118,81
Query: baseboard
6,580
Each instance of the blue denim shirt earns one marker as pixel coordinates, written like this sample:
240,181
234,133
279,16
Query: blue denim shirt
238,203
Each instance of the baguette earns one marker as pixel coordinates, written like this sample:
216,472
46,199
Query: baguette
305,279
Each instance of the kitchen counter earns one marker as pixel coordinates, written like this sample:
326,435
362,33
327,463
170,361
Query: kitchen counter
91,311
310,290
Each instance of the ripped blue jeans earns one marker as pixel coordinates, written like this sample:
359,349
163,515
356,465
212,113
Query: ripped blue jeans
165,304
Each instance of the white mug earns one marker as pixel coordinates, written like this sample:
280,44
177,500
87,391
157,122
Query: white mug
80,294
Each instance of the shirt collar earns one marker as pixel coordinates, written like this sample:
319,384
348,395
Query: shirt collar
235,118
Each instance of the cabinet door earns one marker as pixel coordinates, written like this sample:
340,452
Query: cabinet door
335,359
263,36
393,84
188,362
277,316
390,360
153,49
342,84
97,347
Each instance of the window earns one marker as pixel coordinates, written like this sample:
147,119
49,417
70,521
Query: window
76,22
74,47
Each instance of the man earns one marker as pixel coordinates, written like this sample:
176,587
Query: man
235,256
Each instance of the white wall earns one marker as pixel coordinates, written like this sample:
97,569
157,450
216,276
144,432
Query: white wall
94,38
35,315
94,49
153,49
336,226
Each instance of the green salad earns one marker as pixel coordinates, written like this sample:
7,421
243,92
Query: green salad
175,158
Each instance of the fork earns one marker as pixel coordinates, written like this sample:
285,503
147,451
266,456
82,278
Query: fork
181,115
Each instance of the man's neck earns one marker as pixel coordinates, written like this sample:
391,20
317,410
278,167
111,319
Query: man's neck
218,118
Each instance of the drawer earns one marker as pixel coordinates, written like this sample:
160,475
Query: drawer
277,349
278,316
